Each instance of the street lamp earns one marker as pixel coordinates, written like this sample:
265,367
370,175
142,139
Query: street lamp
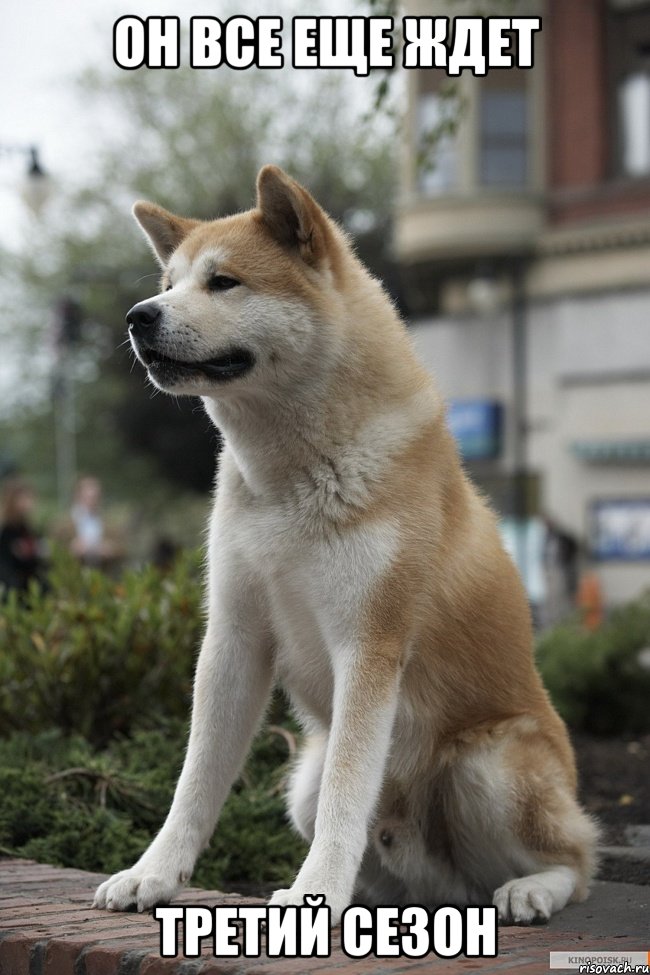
484,298
520,412
67,334
35,192
37,187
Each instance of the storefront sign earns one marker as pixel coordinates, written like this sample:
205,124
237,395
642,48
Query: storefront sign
620,529
476,425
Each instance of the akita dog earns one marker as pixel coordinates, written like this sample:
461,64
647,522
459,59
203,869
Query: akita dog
353,561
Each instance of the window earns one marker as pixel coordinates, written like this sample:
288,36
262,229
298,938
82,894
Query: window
478,135
503,130
634,115
629,57
437,149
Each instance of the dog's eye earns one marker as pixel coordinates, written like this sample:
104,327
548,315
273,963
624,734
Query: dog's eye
220,282
169,287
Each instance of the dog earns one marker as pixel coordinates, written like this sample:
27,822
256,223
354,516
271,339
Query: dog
351,560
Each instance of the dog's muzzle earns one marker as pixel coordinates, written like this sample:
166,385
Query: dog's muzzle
144,318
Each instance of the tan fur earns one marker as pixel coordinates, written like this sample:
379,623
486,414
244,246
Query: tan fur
354,560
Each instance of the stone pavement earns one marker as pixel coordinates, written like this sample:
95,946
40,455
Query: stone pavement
47,927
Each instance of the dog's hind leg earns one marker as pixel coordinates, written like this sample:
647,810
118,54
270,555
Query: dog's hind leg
549,825
526,900
500,822
561,839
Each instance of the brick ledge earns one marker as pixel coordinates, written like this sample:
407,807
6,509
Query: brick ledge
47,927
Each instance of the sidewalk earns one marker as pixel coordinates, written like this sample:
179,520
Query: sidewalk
48,928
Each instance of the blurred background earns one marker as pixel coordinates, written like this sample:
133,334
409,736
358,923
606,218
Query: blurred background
524,256
509,217
84,139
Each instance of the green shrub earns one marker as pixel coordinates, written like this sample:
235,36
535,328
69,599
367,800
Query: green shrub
95,693
94,656
66,803
596,679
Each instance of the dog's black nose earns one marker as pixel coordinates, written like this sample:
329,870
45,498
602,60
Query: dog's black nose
143,316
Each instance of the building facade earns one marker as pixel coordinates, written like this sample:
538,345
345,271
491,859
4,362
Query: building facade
525,251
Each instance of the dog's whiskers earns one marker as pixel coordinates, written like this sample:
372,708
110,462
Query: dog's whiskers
145,277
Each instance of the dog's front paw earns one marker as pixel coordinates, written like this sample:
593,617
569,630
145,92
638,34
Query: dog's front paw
140,888
299,897
523,901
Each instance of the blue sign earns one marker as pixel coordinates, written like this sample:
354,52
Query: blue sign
620,529
477,426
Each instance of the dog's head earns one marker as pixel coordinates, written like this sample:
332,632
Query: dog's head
244,300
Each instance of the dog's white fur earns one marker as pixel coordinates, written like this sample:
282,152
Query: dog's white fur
352,560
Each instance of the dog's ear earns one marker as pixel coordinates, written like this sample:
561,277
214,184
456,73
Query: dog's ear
163,230
291,215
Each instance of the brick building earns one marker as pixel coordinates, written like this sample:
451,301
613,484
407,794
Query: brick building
525,254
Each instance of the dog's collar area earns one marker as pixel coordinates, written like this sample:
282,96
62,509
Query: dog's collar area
234,362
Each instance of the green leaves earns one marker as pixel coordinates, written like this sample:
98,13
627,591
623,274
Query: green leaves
95,688
597,680
96,656
64,802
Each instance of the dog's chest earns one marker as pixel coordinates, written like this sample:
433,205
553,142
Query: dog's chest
317,586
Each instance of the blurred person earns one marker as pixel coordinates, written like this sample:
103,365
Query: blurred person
91,542
21,548
164,553
561,552
589,600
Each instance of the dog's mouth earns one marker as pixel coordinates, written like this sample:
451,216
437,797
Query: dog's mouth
235,362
